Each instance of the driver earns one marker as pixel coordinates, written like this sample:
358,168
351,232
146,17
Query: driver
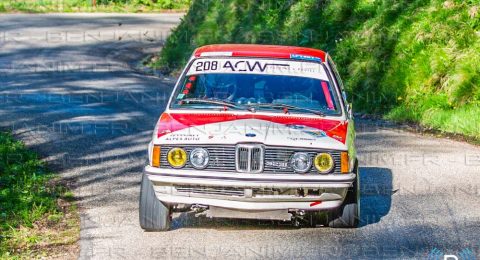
219,86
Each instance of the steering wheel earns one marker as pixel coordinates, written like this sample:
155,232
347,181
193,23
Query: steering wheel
233,93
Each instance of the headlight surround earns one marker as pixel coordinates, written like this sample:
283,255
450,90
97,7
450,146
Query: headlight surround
301,162
324,162
177,157
199,158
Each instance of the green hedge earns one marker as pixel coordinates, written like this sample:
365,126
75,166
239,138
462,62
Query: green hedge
410,60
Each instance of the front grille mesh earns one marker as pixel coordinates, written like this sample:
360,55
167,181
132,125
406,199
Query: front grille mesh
242,154
222,158
256,159
249,158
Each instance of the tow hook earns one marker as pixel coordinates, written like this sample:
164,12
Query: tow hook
298,218
199,209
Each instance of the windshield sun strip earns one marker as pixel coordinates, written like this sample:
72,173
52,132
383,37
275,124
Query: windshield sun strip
339,111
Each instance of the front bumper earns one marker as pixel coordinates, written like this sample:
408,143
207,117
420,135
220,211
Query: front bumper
250,192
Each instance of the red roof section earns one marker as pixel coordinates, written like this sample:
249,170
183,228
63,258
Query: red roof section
261,51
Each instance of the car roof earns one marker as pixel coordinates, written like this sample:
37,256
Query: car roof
260,51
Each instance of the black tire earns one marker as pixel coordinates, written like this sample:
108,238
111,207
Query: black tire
154,215
346,217
348,214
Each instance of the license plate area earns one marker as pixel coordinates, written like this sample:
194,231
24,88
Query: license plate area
217,212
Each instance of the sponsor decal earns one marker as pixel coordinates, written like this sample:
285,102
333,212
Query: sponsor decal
257,66
279,164
304,57
339,138
296,126
183,137
300,139
316,133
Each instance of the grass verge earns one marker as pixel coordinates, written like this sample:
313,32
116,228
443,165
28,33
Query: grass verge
108,6
38,216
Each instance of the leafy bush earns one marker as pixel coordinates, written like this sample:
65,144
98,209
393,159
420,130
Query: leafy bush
411,60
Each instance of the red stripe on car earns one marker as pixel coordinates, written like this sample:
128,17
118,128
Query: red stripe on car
168,123
328,97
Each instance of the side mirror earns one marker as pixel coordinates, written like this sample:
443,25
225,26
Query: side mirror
349,110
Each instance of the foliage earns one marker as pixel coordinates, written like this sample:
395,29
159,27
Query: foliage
411,60
28,195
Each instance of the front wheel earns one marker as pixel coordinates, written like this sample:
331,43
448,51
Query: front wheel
154,215
348,214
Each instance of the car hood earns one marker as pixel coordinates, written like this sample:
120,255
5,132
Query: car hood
281,130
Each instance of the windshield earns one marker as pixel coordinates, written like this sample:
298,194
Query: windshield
270,91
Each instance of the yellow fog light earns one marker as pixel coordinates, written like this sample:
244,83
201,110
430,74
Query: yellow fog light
323,162
177,157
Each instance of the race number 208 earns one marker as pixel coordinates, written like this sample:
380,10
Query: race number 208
206,65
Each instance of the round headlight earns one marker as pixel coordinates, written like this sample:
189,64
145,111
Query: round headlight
323,162
199,158
177,157
301,162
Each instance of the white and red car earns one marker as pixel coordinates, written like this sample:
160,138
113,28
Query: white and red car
258,132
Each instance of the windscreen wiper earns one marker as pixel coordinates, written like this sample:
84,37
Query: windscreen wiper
287,107
211,101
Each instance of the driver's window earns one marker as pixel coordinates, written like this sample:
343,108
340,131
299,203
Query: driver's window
338,79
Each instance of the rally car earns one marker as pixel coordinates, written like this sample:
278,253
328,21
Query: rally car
254,132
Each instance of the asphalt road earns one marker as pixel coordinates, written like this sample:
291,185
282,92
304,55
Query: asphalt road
67,88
